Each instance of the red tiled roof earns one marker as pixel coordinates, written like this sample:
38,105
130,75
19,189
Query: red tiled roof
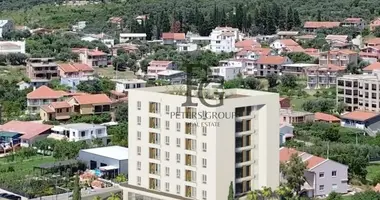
275,60
93,52
83,67
44,92
116,93
289,42
47,108
372,66
325,117
27,129
247,43
375,41
286,153
360,115
60,104
160,62
313,161
335,68
93,99
67,67
173,36
353,20
313,24
295,48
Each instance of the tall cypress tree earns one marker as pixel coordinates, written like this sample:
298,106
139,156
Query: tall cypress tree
319,17
296,19
281,23
231,194
289,19
165,23
76,192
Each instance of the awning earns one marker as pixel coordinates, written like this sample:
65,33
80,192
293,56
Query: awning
108,168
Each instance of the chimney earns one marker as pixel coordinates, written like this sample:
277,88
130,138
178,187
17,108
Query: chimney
34,88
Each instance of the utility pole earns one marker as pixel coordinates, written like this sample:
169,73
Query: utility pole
328,150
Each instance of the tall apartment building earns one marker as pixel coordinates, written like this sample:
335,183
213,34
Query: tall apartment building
341,57
360,91
223,39
178,152
41,70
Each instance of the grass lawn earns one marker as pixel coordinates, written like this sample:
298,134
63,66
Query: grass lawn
372,170
12,72
298,101
25,165
109,72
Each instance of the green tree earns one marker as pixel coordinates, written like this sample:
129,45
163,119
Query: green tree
231,194
114,197
289,80
267,192
253,195
76,191
293,172
272,80
376,32
121,178
3,59
300,57
119,134
283,192
97,198
334,196
376,179
121,113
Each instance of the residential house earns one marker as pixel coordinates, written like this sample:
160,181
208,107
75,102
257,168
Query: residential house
223,39
354,22
286,45
312,52
286,133
91,57
44,96
118,97
254,53
338,57
322,176
118,21
323,76
285,103
197,39
247,43
156,66
305,38
372,67
125,37
105,39
230,69
287,34
187,47
293,117
79,26
7,47
123,85
297,69
324,117
370,54
313,26
22,85
359,91
5,27
27,133
372,42
41,70
73,73
271,65
128,48
82,132
337,38
173,38
175,77
374,23
368,121
83,104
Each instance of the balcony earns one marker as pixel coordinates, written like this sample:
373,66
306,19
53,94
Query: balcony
190,192
243,111
154,107
244,156
190,144
244,141
154,168
190,160
154,138
154,184
190,113
190,128
242,126
154,122
154,153
190,176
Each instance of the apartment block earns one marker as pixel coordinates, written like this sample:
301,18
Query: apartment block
323,76
41,70
360,92
341,57
195,152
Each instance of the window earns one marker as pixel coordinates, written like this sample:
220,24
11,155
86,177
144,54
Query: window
138,135
333,173
82,134
167,109
167,187
167,171
204,162
178,158
167,125
138,165
138,105
334,186
178,110
321,174
204,130
67,110
138,180
138,150
178,142
204,194
178,126
204,147
178,173
204,178
178,189
167,140
321,187
167,155
138,120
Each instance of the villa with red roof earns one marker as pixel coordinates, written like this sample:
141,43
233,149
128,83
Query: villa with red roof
365,120
156,66
313,26
286,45
322,176
354,22
75,70
370,68
374,23
26,132
324,117
91,57
173,38
271,65
84,104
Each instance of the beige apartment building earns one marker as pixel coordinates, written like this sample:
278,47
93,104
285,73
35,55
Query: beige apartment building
178,152
41,70
341,57
360,92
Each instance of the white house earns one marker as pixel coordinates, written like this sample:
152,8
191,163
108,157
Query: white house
123,85
223,39
5,26
82,132
125,37
7,47
229,69
107,41
112,160
187,47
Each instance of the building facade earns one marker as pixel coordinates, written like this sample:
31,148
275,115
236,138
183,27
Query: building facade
41,70
5,27
323,77
181,155
7,47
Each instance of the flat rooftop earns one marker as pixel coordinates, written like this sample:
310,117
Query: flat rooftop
169,72
361,76
127,81
115,152
81,126
301,65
